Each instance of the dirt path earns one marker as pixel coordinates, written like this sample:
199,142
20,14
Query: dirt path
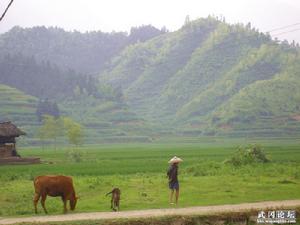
199,210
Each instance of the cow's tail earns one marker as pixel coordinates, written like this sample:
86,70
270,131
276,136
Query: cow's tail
36,185
108,193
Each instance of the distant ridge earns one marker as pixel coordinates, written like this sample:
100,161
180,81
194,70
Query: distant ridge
207,78
212,77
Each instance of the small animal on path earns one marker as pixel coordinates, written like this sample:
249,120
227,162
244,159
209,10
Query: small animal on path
115,199
54,186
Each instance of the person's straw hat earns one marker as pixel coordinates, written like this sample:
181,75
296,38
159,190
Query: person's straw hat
175,159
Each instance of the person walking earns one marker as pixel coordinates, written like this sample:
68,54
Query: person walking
173,178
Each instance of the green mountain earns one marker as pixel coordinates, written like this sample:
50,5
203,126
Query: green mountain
210,77
207,78
86,53
31,89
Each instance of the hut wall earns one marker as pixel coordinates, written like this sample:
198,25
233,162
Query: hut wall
6,151
4,140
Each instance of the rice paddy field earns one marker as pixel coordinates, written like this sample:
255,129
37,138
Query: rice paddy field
139,170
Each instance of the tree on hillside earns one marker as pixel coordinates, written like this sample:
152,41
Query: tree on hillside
51,129
73,131
187,20
144,33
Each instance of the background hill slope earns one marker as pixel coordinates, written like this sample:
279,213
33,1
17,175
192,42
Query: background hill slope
207,78
214,76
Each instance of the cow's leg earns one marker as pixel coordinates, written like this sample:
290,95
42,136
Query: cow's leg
118,205
115,205
65,204
35,201
111,203
44,196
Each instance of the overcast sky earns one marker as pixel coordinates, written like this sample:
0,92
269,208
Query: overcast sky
120,15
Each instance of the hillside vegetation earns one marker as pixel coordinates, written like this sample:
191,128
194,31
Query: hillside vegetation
18,107
207,78
212,77
83,52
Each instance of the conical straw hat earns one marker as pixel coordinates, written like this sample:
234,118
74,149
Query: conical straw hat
175,159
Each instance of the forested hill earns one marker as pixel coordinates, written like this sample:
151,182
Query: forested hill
207,78
42,80
210,77
49,66
86,53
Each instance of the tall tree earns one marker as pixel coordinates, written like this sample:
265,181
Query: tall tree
74,131
51,129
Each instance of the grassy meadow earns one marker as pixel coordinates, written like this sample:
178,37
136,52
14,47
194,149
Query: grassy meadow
139,170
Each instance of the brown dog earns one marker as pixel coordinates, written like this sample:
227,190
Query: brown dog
115,199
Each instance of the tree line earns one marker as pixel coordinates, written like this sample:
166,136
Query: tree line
85,53
53,128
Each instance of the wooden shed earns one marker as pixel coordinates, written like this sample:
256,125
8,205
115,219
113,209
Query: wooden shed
8,134
8,152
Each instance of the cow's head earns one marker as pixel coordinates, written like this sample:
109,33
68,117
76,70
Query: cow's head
73,202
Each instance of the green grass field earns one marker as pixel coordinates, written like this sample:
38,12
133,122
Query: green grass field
139,170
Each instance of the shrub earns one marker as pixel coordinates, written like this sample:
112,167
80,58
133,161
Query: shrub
75,156
204,168
248,155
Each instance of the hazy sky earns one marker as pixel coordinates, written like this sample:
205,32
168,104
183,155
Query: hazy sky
120,15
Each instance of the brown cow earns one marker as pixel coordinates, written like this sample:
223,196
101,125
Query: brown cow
54,186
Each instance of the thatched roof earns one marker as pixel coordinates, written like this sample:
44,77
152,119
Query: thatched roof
7,129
